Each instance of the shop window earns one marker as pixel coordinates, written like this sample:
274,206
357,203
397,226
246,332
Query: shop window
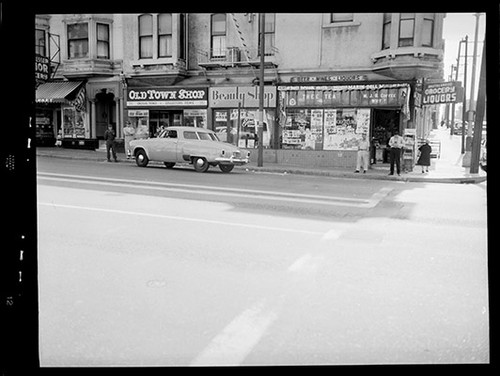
428,30
341,17
165,35
269,32
406,29
78,40
40,48
145,36
218,35
386,37
102,41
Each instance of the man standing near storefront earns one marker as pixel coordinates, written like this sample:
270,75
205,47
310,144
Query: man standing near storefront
363,154
396,143
109,137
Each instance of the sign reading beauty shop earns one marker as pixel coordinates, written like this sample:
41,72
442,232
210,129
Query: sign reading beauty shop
442,92
245,96
167,96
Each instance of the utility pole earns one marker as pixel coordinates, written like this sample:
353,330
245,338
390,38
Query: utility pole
467,157
478,122
260,132
464,102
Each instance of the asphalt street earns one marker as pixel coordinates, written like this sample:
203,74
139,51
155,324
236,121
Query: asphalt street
157,267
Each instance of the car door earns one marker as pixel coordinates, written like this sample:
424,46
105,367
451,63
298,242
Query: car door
164,147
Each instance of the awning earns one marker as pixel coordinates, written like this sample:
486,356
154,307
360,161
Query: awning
58,92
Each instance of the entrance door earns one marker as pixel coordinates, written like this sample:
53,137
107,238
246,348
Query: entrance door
105,111
385,122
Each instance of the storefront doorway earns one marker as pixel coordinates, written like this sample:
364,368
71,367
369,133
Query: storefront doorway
384,123
105,112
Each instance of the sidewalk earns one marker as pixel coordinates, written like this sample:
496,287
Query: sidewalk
446,169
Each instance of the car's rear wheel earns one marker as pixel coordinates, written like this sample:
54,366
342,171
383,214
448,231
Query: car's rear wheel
169,164
226,167
141,159
200,164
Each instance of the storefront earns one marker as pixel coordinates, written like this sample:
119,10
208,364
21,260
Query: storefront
331,118
151,109
235,114
61,112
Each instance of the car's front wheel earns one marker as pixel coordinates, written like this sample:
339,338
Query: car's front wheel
200,164
141,158
226,167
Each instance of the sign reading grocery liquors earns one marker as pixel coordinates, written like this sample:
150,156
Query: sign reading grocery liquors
167,96
245,96
442,92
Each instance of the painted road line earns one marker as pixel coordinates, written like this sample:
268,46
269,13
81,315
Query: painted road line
180,218
232,345
211,190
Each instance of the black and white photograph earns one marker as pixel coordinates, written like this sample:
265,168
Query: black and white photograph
259,189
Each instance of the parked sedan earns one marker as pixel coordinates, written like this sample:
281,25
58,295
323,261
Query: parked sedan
197,146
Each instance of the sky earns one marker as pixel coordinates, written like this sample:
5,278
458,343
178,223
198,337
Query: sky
456,27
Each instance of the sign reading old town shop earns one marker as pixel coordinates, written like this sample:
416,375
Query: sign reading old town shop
442,92
167,97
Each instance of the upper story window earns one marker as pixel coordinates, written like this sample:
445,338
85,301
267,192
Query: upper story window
406,29
165,35
102,41
78,40
145,36
269,34
428,30
40,47
218,35
341,17
386,33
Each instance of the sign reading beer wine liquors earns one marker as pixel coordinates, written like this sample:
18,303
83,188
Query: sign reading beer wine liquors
167,96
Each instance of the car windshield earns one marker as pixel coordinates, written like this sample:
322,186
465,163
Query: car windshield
214,136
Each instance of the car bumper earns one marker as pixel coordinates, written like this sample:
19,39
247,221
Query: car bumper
232,161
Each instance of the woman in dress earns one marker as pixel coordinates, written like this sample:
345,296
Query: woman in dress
424,156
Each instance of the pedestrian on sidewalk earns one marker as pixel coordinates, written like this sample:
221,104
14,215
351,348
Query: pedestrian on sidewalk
363,154
109,137
129,133
424,156
396,143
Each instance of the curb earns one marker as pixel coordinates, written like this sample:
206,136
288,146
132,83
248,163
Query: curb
312,172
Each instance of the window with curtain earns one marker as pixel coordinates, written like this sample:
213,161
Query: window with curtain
165,35
428,30
102,41
406,29
218,35
269,34
145,36
78,40
386,37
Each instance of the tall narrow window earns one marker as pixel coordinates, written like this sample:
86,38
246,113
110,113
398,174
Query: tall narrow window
40,42
406,29
165,35
145,36
218,36
102,41
386,38
78,40
428,30
182,37
341,17
269,33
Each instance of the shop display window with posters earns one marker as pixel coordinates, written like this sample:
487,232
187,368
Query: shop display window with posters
73,123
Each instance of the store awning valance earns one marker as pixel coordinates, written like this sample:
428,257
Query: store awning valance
58,92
